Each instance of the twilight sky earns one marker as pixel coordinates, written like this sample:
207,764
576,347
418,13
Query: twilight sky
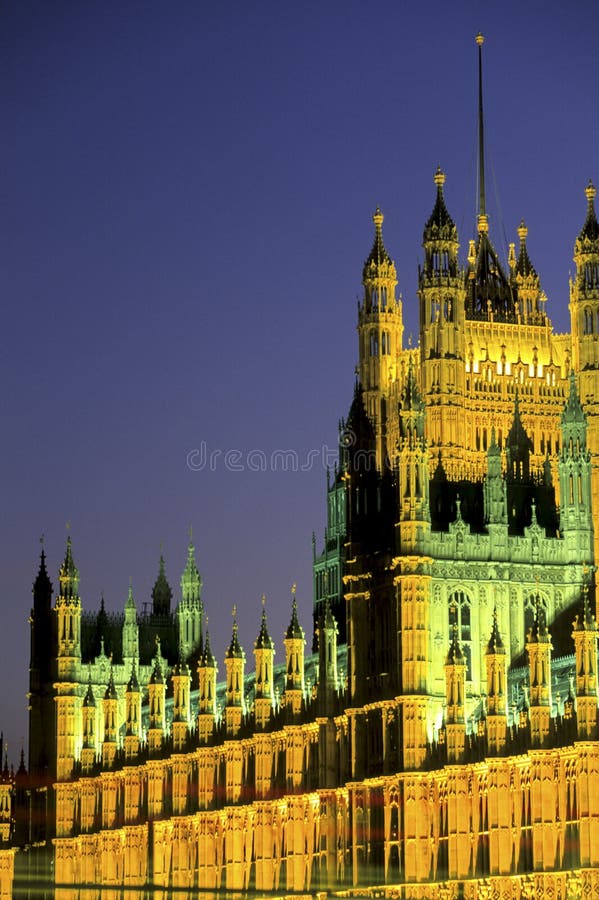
186,193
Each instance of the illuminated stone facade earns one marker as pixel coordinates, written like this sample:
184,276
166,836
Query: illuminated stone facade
447,743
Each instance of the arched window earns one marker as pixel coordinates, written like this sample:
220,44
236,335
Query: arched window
383,298
459,613
374,343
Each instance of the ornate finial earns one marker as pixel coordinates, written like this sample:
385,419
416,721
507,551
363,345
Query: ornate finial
293,590
378,218
522,231
263,601
479,39
591,191
439,177
42,539
234,611
206,620
102,645
410,340
483,223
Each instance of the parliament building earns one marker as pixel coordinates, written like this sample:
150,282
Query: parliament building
438,734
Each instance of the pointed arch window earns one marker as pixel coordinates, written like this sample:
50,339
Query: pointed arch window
588,321
374,343
460,614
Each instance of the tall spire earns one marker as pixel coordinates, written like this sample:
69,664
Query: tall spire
191,581
481,131
378,256
161,592
69,574
590,229
235,650
42,586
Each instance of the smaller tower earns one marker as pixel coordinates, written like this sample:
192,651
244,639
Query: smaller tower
161,594
496,690
181,711
413,483
156,702
68,618
189,609
584,317
584,297
264,653
494,487
294,658
130,630
88,711
576,521
585,637
527,285
539,660
235,674
328,683
207,672
67,610
380,330
42,727
109,706
455,698
442,304
132,715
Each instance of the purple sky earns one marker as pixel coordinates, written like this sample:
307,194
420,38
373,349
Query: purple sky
186,192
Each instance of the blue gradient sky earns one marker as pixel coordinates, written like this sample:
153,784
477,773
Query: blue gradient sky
186,191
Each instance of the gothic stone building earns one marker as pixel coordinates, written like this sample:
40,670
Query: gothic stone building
441,738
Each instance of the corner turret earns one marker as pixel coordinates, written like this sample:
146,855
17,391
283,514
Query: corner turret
264,653
207,672
496,690
380,332
109,707
294,657
235,674
132,715
156,703
539,661
455,699
586,637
